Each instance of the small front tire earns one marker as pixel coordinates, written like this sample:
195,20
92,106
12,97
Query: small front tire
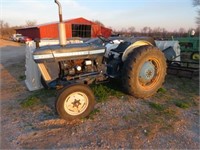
75,102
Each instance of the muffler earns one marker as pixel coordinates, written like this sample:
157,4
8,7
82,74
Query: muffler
61,26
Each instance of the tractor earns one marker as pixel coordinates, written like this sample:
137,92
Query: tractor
190,44
135,61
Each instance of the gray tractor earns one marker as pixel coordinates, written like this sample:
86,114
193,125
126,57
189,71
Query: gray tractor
137,62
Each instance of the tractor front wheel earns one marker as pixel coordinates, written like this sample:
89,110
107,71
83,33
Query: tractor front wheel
76,101
144,71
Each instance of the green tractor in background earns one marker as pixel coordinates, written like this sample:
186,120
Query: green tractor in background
190,44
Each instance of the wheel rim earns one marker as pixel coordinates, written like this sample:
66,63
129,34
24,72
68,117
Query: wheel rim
76,103
149,73
195,56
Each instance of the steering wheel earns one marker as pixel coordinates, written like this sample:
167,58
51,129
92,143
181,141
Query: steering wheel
105,40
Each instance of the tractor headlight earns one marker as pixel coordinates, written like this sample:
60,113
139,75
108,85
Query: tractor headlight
78,68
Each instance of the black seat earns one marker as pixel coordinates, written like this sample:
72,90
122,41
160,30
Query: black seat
121,47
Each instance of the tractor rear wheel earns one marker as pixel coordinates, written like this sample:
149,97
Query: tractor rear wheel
144,71
75,101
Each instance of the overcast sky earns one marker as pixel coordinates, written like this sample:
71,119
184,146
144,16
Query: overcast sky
169,14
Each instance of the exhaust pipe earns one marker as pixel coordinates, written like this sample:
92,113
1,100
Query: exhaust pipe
61,26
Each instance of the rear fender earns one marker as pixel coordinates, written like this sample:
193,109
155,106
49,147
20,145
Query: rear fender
133,46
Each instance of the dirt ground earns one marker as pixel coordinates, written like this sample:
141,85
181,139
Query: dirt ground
168,120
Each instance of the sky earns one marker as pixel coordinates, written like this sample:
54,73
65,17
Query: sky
169,14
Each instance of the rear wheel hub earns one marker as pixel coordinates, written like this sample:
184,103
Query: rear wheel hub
147,72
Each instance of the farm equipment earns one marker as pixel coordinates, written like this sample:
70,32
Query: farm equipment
190,45
186,68
137,62
177,65
183,68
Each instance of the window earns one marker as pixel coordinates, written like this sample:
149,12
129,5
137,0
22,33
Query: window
80,30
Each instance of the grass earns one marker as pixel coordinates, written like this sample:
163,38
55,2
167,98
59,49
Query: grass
37,98
163,120
164,111
162,90
127,117
22,77
182,104
160,113
30,101
93,113
181,92
155,118
160,118
169,113
157,106
103,91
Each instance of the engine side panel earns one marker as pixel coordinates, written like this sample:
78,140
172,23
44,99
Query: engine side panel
71,51
49,70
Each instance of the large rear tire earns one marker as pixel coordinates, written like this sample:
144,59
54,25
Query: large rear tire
75,102
144,71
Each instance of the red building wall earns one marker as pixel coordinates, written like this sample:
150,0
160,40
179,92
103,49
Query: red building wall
51,30
68,29
106,32
30,32
96,30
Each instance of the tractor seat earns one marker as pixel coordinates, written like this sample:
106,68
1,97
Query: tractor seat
121,47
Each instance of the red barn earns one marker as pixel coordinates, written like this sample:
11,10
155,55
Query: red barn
78,27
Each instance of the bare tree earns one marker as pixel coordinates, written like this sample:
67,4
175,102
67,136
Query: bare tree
197,31
99,23
182,31
157,32
5,30
131,30
1,25
30,23
146,31
196,3
164,32
198,17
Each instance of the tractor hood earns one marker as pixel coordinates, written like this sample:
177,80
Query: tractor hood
70,51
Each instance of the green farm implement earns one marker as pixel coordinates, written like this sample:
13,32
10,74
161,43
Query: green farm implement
190,45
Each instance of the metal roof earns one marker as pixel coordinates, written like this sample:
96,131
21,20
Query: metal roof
55,22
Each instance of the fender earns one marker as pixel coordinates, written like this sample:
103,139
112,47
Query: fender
133,46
